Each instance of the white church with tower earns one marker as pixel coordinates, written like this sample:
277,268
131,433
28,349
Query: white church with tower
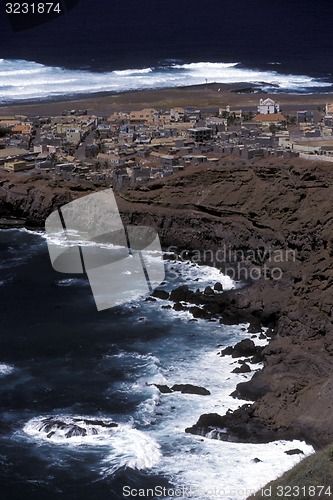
268,107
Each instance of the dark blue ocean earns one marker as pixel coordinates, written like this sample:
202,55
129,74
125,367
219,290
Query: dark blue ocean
68,374
101,45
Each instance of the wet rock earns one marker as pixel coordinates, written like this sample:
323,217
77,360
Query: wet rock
245,347
75,431
218,287
190,389
99,423
255,326
164,389
252,389
208,290
244,368
236,426
198,313
245,360
239,349
259,355
271,332
212,308
295,451
161,294
227,351
180,294
179,307
183,388
51,425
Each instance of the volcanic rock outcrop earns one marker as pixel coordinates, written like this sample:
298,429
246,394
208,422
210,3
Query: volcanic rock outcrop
267,223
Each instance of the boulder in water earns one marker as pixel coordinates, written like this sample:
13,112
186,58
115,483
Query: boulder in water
190,389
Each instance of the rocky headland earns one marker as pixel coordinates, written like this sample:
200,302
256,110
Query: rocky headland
278,214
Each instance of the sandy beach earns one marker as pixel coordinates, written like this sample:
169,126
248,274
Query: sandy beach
215,95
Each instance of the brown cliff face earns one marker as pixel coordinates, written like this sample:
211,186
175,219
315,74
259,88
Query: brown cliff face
276,205
34,197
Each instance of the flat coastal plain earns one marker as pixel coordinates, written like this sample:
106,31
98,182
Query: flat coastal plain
214,95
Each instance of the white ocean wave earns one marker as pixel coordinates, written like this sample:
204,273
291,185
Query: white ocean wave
201,464
203,67
129,72
196,276
71,238
131,448
126,447
26,80
70,282
229,471
6,369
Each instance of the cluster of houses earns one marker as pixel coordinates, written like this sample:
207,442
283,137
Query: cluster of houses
130,148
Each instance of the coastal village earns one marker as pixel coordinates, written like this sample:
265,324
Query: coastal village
127,149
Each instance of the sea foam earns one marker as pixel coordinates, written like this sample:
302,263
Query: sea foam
126,447
28,80
6,369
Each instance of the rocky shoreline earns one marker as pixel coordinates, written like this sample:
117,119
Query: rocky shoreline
278,214
211,304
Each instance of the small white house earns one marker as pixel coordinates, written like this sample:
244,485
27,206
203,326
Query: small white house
268,106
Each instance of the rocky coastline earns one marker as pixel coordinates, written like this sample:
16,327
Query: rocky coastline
268,214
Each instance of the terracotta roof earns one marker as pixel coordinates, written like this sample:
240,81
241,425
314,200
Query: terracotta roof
274,117
21,129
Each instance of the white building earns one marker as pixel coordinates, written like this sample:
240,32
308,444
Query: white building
329,109
73,136
177,114
268,106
